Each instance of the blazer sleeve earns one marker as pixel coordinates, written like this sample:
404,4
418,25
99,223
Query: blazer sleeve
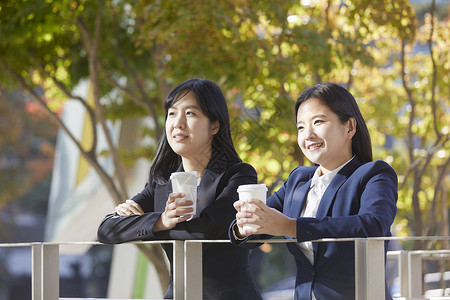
214,219
370,195
116,229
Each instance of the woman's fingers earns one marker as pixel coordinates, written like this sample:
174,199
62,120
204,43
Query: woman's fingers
177,210
134,207
129,208
238,205
243,218
241,215
123,210
247,220
176,199
174,196
255,212
183,202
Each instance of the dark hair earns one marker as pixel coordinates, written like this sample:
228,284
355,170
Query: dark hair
212,103
343,104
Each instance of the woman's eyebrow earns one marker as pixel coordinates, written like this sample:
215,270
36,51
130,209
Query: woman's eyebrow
319,116
314,117
192,106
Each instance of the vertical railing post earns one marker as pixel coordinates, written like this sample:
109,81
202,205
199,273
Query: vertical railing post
178,270
360,269
415,275
403,273
193,277
45,271
36,273
369,269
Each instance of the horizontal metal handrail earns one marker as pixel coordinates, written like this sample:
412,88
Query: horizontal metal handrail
271,241
187,266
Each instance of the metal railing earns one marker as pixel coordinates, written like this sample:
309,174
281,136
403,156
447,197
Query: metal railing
187,266
410,269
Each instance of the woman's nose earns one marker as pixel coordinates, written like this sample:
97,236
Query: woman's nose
180,122
309,133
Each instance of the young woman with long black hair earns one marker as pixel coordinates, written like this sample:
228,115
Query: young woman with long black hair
197,138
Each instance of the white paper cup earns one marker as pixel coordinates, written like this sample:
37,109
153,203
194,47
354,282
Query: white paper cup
252,191
186,182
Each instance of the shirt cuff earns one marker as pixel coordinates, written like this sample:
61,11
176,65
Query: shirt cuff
233,229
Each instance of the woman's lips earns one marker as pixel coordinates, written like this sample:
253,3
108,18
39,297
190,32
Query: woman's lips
314,146
179,137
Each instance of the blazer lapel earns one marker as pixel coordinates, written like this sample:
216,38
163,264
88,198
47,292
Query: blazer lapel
162,192
330,193
298,199
215,168
204,188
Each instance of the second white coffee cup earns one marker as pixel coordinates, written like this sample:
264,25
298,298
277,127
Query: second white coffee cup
186,182
252,191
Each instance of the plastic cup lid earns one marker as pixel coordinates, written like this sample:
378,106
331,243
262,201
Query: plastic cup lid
183,174
248,187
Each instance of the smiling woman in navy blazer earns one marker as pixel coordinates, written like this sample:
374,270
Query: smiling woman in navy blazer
345,195
197,138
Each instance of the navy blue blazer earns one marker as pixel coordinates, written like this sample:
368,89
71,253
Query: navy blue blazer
225,266
359,202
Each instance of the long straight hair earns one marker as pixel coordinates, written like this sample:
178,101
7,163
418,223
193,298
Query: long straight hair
212,103
344,105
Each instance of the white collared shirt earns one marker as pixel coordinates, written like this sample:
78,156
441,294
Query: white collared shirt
319,184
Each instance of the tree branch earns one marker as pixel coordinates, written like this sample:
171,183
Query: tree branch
410,100
137,83
433,83
413,166
432,213
91,44
417,213
124,89
90,157
64,89
154,254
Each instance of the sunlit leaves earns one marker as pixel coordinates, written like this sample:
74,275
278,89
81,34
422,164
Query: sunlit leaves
398,16
263,54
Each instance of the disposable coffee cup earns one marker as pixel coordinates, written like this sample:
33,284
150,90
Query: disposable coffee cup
186,182
252,191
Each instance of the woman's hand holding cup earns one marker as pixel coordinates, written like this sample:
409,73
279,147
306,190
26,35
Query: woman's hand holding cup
246,217
250,197
177,210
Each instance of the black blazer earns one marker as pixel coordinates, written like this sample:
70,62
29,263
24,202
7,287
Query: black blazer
225,266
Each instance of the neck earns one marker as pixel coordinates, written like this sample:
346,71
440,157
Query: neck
324,170
197,163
